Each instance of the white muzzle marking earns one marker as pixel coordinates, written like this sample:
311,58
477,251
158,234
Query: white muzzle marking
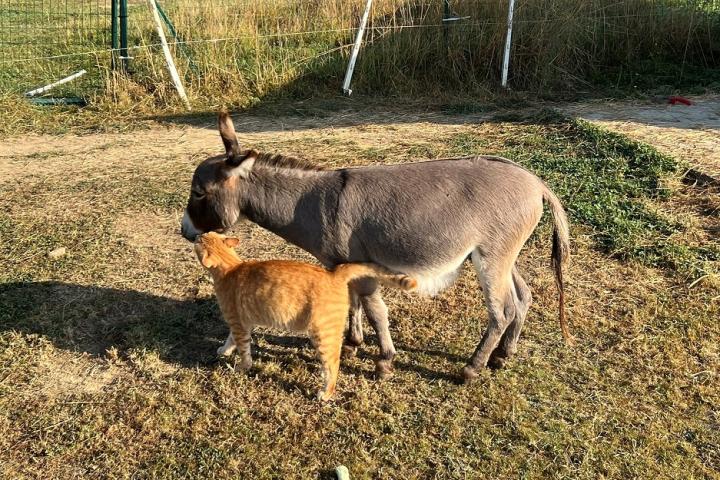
188,229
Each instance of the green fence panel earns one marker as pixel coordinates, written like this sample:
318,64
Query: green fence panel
44,41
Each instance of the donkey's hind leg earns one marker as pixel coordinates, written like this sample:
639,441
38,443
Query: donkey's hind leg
377,313
508,344
354,335
497,284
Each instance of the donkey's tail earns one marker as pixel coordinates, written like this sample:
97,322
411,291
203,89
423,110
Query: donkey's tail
560,254
352,271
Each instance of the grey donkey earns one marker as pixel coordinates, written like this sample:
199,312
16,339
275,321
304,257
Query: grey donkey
423,219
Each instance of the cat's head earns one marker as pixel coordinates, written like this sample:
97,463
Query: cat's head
216,250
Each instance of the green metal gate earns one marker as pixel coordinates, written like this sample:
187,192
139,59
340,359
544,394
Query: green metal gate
42,41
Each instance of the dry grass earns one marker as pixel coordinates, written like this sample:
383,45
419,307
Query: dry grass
239,52
298,48
107,364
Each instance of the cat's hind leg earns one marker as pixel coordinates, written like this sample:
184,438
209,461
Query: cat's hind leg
327,335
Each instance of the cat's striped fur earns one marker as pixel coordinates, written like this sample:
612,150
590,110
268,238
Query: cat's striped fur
286,295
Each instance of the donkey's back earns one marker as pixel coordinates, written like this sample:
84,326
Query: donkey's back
426,218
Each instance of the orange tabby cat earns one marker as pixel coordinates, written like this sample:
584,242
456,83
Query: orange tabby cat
287,295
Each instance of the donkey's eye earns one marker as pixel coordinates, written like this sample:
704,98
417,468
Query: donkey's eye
198,194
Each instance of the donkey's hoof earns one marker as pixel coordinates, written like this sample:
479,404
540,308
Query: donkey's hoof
349,351
469,374
383,369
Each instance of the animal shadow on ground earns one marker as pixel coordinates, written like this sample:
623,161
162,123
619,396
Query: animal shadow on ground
184,331
94,319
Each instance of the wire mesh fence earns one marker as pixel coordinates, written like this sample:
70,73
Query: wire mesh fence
411,47
243,49
53,28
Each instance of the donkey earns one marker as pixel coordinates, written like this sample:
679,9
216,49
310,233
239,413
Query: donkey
423,219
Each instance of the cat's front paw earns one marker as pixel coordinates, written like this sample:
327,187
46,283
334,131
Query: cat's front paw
225,351
243,365
228,347
324,395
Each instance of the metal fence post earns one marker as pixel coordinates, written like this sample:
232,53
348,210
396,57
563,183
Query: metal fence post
123,35
114,33
508,41
356,48
168,56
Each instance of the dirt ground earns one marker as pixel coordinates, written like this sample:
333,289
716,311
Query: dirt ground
196,138
688,132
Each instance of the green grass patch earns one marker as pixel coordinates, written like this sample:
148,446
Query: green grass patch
608,183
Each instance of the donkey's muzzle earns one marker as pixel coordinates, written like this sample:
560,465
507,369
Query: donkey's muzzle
187,228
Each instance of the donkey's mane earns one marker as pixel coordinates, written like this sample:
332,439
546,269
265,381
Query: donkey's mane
276,160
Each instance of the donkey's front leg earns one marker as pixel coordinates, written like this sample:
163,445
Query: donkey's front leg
377,313
354,335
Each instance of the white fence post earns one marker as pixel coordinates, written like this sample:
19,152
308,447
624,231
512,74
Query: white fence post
168,57
50,86
508,41
356,49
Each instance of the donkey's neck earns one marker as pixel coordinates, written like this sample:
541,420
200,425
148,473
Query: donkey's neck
298,205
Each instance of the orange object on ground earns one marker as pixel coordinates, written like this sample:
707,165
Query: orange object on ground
674,100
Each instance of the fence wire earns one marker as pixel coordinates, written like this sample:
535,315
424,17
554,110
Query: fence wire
42,41
371,29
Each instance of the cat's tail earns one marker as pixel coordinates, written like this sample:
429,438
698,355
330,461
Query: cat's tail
353,271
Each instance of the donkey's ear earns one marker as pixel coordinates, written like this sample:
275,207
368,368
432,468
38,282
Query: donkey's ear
227,133
231,242
241,164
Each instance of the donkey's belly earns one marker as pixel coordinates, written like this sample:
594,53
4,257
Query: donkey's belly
430,279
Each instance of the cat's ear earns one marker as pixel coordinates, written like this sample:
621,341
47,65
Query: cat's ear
206,259
231,242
